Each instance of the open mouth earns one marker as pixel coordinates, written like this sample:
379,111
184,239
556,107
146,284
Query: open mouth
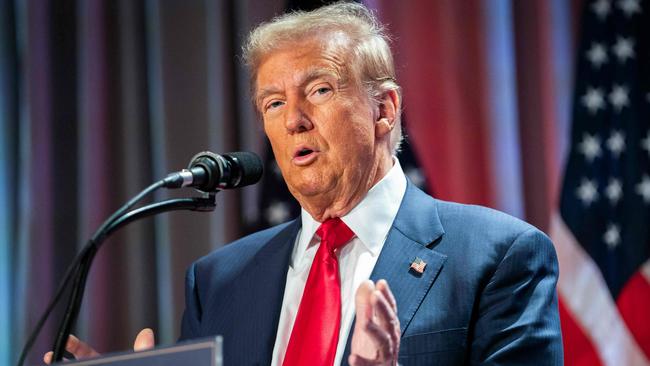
304,156
304,152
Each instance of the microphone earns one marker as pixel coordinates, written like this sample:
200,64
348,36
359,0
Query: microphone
210,172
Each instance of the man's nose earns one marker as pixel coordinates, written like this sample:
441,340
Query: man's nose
296,119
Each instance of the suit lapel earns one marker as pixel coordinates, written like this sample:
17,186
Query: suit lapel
415,228
408,286
267,279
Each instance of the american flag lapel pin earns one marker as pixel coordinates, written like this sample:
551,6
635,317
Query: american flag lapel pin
418,265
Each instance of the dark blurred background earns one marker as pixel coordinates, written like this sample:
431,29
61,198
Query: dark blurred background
99,98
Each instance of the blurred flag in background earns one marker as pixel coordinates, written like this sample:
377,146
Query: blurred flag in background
602,230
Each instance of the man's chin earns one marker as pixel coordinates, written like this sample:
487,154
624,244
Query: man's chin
308,189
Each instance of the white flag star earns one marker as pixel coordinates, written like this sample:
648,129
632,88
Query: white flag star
612,236
277,213
623,49
601,8
594,100
614,191
597,55
616,143
587,192
590,147
643,188
645,143
629,7
619,97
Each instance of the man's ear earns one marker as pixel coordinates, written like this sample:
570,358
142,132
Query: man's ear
387,116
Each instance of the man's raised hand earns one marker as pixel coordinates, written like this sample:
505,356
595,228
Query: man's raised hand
376,336
143,341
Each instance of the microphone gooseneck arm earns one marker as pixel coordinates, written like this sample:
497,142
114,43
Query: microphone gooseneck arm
75,267
111,225
191,204
82,264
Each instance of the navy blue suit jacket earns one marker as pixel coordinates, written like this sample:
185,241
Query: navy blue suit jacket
487,295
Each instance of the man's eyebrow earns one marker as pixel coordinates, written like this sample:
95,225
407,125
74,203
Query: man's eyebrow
317,73
265,92
307,77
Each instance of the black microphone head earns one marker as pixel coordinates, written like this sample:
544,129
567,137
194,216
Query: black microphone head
207,178
249,165
210,172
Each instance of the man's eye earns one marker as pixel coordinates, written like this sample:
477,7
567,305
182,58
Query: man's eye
274,104
321,94
323,90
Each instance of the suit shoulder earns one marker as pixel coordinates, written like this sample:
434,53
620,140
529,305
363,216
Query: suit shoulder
476,229
479,240
480,220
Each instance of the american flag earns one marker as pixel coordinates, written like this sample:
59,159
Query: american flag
418,265
602,232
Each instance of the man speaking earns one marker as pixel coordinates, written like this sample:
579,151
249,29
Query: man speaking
374,271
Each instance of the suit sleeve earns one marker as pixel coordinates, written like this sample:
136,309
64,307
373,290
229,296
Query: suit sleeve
192,313
518,321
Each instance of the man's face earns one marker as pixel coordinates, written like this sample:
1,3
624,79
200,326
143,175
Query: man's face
320,124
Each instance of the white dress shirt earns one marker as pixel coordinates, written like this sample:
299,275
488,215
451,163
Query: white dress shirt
370,221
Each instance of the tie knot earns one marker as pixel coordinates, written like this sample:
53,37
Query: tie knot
334,233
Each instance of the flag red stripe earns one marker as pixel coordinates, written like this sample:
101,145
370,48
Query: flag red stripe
578,349
633,304
586,296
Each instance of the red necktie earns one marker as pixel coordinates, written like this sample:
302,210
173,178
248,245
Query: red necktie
315,333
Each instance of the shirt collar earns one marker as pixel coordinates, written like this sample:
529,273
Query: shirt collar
370,220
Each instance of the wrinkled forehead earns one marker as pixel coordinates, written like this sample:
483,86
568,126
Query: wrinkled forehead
334,45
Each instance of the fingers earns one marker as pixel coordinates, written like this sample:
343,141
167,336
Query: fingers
377,329
356,360
386,320
76,347
144,340
386,310
79,349
382,340
382,286
362,301
47,358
